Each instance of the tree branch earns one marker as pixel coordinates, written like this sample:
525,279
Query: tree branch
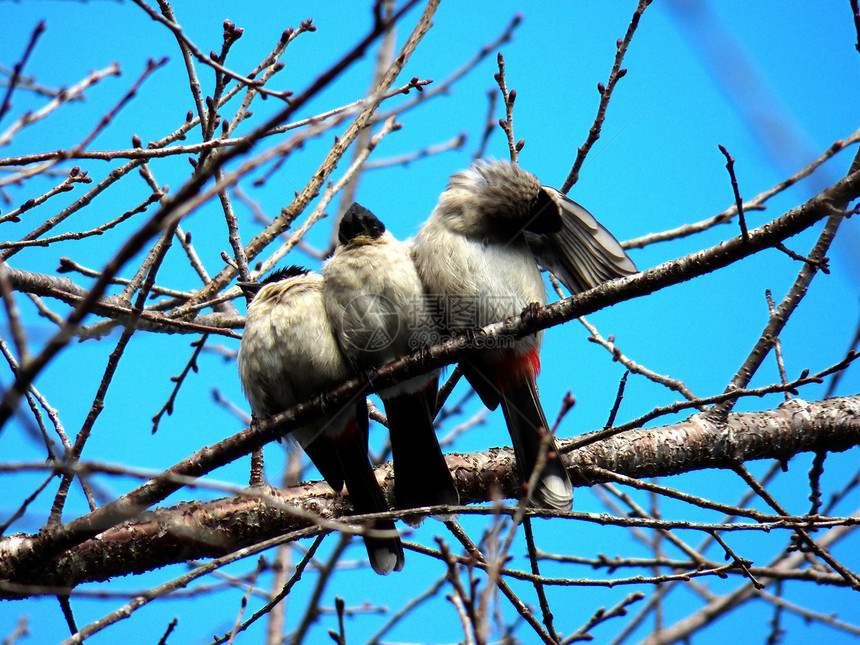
212,529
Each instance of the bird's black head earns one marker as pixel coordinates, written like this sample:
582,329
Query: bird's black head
284,273
251,288
359,221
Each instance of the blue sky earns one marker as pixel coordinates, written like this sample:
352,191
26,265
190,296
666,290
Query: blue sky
775,83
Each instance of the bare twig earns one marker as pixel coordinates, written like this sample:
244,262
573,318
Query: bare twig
602,615
507,123
313,611
855,10
19,66
850,577
539,589
489,125
756,203
739,203
632,366
777,345
780,317
32,117
99,230
203,58
615,75
75,176
179,380
261,563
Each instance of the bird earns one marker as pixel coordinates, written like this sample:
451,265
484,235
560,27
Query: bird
288,354
481,252
376,302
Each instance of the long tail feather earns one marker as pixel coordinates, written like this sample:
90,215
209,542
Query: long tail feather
528,427
385,553
421,476
343,458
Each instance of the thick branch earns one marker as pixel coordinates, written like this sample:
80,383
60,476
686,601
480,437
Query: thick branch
195,530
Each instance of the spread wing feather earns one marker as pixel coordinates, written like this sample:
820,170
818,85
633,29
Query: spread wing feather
583,254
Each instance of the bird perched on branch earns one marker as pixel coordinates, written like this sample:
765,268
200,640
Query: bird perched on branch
480,254
376,303
287,355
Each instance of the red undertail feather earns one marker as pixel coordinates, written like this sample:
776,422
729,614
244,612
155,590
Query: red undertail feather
515,369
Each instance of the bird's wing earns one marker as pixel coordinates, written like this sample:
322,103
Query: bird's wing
583,254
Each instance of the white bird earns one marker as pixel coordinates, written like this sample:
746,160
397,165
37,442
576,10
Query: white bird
376,303
287,355
480,253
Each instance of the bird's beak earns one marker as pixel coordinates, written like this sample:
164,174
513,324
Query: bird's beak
250,289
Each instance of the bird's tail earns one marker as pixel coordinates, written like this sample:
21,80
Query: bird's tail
529,432
421,476
385,552
350,446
